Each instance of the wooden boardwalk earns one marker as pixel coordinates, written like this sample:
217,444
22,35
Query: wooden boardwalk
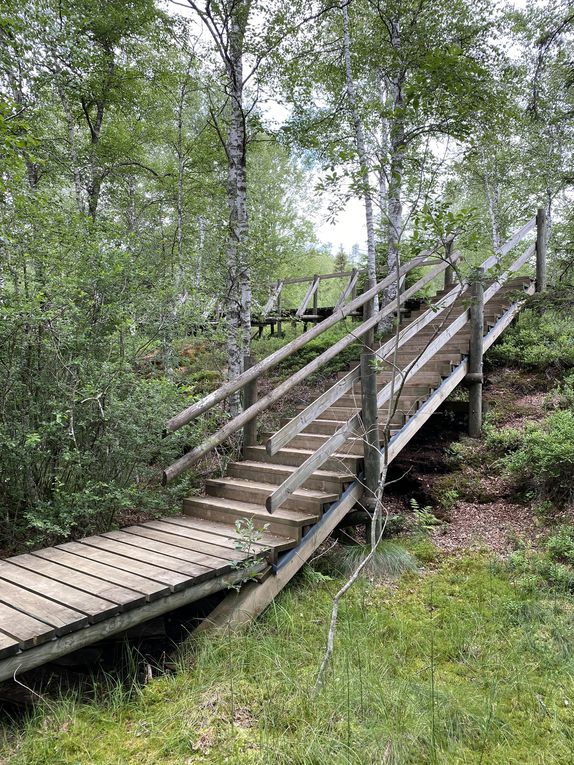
55,600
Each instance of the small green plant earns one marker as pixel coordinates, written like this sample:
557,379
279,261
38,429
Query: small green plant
248,543
424,516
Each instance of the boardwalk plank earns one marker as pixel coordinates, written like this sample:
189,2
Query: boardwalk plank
124,563
8,645
140,584
229,542
142,542
218,552
228,531
96,608
122,596
23,628
114,542
55,614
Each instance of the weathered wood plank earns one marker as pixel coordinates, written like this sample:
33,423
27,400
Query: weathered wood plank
111,542
148,587
8,645
172,551
313,287
216,553
55,614
192,532
94,607
23,628
228,531
124,563
122,596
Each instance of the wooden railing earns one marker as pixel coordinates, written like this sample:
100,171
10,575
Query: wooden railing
251,374
312,293
359,423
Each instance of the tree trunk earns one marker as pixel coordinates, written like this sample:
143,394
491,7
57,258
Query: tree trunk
397,158
362,155
383,231
76,173
239,281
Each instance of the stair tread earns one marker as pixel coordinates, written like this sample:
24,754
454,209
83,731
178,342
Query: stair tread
332,474
251,508
247,483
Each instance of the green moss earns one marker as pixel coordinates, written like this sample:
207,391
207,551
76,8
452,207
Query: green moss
462,665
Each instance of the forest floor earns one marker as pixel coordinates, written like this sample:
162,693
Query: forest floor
457,649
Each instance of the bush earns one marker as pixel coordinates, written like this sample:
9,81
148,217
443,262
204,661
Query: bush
544,459
560,546
538,340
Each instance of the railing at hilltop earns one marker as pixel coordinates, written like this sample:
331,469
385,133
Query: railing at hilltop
273,314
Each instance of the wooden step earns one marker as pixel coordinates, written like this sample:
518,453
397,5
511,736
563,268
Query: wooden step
296,457
330,427
255,491
283,522
329,481
342,413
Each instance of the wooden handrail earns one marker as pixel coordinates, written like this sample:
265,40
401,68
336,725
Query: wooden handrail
226,390
324,401
262,404
353,425
336,275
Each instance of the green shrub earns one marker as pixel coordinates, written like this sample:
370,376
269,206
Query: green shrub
502,441
538,340
544,459
560,546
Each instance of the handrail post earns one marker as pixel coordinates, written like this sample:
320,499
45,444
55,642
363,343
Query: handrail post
316,297
541,241
279,326
249,398
370,418
449,273
474,377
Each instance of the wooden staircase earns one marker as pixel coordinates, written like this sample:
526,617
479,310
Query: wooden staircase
241,494
261,521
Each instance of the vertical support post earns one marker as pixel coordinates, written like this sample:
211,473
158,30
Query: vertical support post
449,273
475,377
370,417
279,326
541,240
316,297
249,397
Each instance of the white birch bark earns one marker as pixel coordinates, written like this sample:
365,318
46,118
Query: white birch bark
239,289
76,172
362,156
383,231
397,159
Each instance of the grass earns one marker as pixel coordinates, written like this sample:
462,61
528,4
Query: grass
461,664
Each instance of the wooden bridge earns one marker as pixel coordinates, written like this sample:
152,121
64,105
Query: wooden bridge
293,487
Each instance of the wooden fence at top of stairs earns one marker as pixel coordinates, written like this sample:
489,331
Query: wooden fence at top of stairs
298,483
